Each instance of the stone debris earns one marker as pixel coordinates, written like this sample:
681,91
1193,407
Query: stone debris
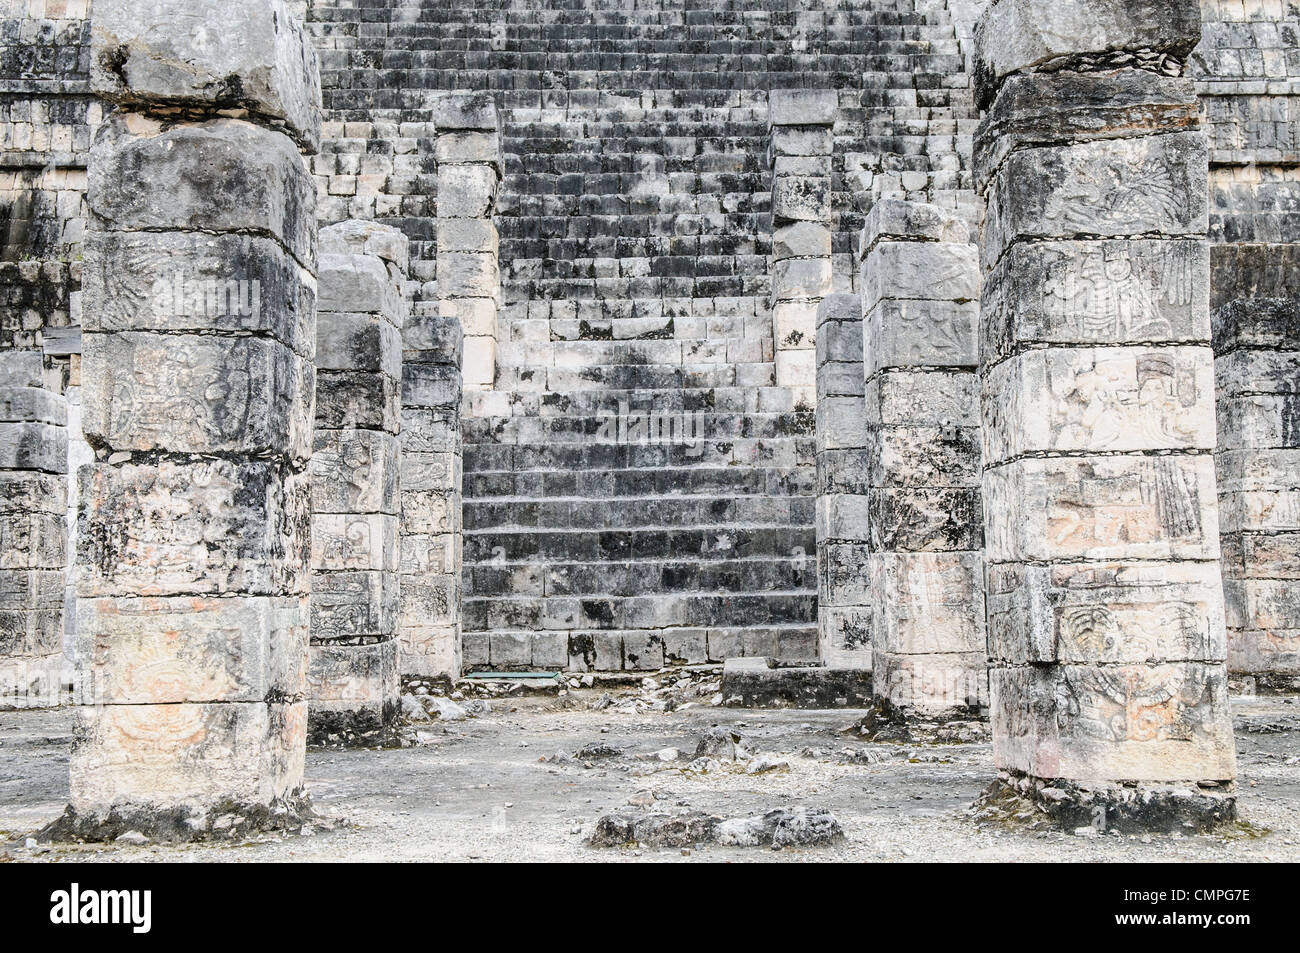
798,827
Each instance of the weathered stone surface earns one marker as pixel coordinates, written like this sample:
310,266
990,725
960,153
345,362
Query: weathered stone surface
920,333
465,111
760,683
1142,722
1128,188
33,446
351,541
355,471
365,342
189,393
805,239
192,281
223,175
466,191
892,220
933,271
802,107
1093,400
1043,109
353,604
190,756
362,237
925,519
924,603
797,198
354,679
923,456
930,398
1110,507
237,649
1106,613
251,54
470,147
208,527
1022,35
358,284
358,400
1096,292
952,683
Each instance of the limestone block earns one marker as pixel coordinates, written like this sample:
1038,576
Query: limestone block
1043,109
467,235
354,541
428,601
34,446
803,141
806,239
896,220
933,271
1022,35
430,385
931,683
199,755
1257,373
1106,613
189,393
1107,292
797,198
31,588
801,278
211,526
350,605
923,398
358,284
27,634
430,511
924,456
1109,507
842,471
430,650
1259,421
21,369
794,323
911,333
456,111
466,191
845,630
1123,189
429,556
33,540
430,471
841,423
438,340
32,493
183,649
352,400
33,405
193,281
921,519
1271,555
355,471
468,275
430,430
345,677
802,107
363,237
1166,722
928,603
458,148
252,54
352,341
224,175
844,569
842,516
1113,399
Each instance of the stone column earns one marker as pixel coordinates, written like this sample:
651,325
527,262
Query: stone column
1106,625
920,285
843,586
431,497
1256,290
197,386
354,484
468,152
33,532
801,122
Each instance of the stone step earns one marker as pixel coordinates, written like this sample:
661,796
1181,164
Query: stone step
637,512
736,400
585,545
662,610
636,649
636,425
641,578
740,452
658,481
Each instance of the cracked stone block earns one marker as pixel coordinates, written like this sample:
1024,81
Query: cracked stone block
190,393
206,526
1023,35
222,175
358,284
181,53
236,649
802,107
355,341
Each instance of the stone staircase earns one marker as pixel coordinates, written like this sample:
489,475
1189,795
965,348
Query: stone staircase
635,232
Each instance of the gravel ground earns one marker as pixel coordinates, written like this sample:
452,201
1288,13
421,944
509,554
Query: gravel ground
490,788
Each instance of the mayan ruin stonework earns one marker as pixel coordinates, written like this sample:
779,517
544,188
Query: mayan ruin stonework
928,367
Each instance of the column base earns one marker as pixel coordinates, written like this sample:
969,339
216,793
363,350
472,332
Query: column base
223,821
370,725
1033,804
887,723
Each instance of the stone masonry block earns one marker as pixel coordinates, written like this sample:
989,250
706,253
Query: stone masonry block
251,54
802,107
